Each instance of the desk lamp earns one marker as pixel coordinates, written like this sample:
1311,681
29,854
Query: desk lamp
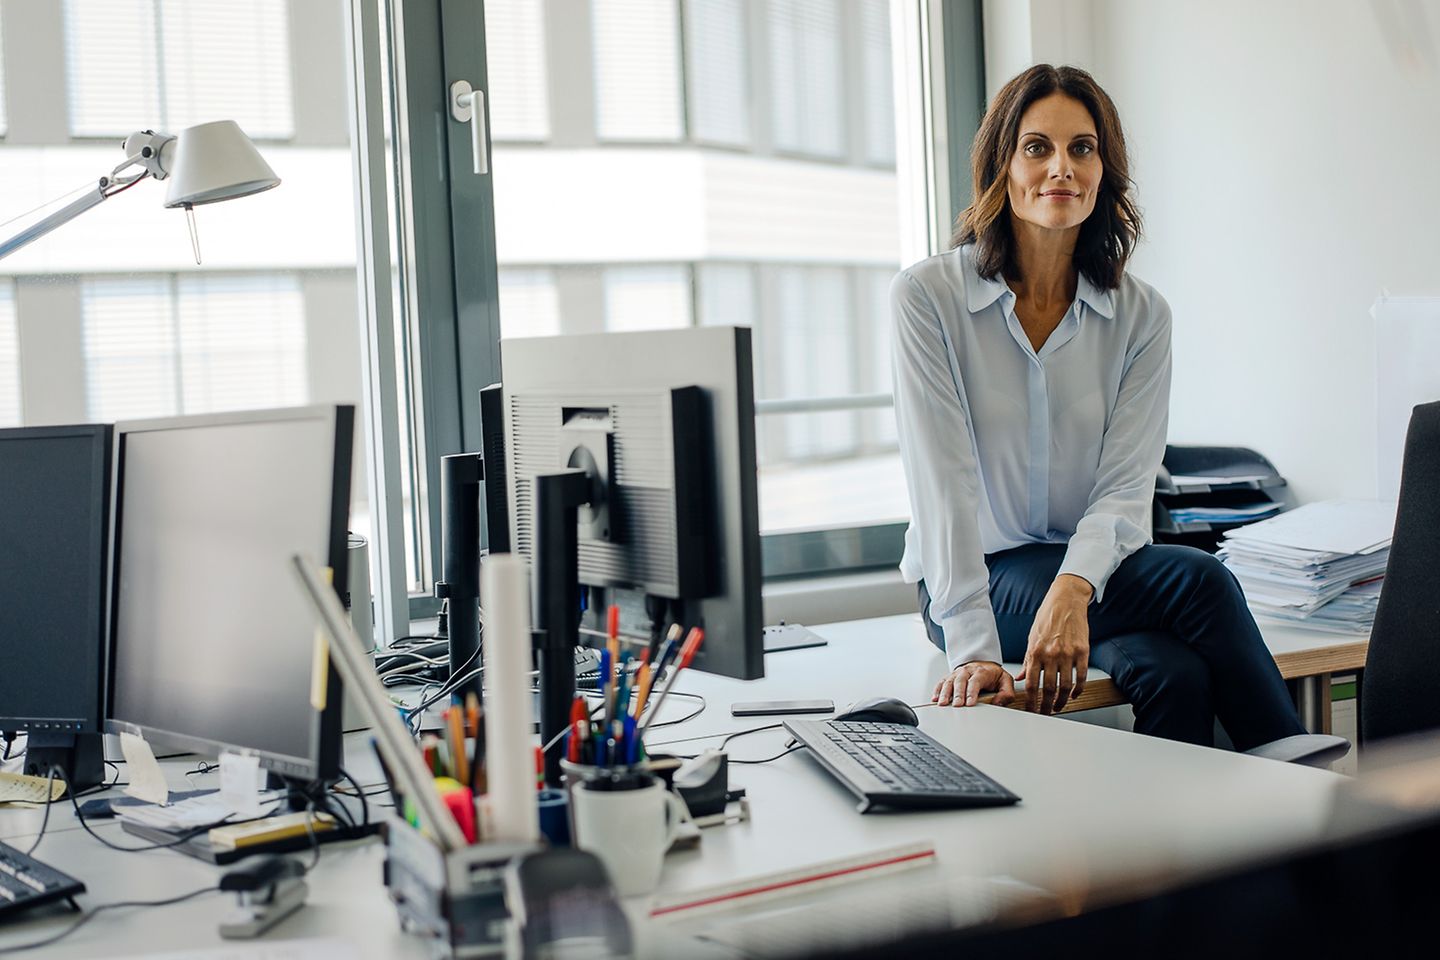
204,164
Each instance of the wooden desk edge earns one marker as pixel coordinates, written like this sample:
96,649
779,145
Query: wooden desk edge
1345,656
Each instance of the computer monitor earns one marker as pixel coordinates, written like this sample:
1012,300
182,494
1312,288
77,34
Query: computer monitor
54,509
648,441
212,638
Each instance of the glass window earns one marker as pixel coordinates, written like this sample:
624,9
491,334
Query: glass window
9,359
717,63
647,298
4,122
637,70
170,64
877,79
242,342
529,303
516,63
797,239
131,348
805,64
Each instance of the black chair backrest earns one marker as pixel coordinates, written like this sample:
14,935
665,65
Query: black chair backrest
1400,692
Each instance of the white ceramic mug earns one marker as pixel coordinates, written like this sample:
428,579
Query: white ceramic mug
629,830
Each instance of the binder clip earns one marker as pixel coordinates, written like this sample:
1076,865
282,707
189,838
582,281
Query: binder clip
267,889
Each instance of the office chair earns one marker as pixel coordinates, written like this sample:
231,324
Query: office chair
1402,670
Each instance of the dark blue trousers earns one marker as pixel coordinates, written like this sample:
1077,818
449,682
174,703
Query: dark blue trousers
1173,632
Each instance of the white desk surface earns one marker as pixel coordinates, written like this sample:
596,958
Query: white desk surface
1100,807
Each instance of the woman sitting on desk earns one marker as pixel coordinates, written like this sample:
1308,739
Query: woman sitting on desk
1032,383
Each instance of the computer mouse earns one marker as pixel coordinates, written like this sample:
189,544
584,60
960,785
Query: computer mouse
882,710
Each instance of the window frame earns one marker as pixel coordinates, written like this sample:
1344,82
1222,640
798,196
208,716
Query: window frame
456,330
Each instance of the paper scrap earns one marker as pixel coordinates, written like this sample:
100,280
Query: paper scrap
147,780
240,783
22,788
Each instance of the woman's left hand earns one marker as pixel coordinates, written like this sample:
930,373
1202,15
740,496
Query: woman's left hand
1059,649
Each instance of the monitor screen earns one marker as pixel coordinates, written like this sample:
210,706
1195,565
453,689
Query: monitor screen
213,638
54,503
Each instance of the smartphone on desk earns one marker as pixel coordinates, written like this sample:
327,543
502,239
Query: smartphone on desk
775,708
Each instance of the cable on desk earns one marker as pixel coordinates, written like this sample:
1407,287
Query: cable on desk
49,800
777,756
36,944
359,792
184,837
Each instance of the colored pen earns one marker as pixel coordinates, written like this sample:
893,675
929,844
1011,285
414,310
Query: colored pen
612,630
459,763
672,640
692,646
605,677
643,680
632,742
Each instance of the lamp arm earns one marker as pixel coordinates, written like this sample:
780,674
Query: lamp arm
60,217
144,148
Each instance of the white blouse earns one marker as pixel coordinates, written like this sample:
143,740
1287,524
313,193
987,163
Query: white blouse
1004,445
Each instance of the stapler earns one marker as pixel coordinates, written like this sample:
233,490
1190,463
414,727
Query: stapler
268,889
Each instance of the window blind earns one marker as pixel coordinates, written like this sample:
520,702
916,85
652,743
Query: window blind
241,342
529,303
4,120
726,294
170,64
716,57
161,346
816,323
10,411
878,92
227,60
807,95
637,70
112,73
131,366
518,95
647,298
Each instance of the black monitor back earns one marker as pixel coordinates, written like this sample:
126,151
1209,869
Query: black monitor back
54,523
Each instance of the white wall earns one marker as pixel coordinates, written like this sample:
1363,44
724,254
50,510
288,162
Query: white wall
1287,156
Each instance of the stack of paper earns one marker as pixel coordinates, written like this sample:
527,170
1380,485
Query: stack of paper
1321,563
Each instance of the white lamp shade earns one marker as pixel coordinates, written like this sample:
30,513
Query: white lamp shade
213,162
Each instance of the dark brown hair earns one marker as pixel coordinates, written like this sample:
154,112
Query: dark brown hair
1108,235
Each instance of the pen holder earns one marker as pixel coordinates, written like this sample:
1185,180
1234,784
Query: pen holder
455,899
629,822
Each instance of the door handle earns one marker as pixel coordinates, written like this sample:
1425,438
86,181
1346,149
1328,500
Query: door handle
467,105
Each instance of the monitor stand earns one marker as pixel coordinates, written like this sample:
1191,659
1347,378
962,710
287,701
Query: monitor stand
80,755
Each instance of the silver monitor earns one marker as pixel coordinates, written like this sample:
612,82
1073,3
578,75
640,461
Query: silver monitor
212,637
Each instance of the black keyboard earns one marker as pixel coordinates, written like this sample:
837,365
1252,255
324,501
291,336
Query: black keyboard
895,765
26,882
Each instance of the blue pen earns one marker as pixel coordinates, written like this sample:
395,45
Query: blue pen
604,679
632,743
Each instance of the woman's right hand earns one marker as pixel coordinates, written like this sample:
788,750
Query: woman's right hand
962,688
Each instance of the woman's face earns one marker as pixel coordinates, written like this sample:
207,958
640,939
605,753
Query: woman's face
1055,170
